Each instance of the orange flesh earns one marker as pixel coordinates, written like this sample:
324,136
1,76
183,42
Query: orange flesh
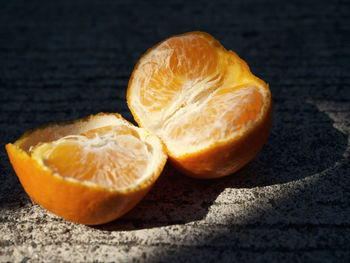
176,62
224,113
227,97
109,156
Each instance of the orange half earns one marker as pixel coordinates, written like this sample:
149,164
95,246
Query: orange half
203,102
90,171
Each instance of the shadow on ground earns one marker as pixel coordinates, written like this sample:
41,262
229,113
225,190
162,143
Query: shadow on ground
300,145
12,194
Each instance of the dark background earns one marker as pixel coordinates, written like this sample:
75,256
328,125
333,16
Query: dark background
62,60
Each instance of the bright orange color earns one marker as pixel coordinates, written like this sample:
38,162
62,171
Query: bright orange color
90,171
203,102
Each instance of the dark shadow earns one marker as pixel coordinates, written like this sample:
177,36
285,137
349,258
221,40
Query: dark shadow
174,199
12,194
307,222
303,142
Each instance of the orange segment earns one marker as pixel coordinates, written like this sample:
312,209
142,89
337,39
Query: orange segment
108,159
167,74
89,171
223,114
197,98
183,60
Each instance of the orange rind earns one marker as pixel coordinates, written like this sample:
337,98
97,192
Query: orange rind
89,171
203,102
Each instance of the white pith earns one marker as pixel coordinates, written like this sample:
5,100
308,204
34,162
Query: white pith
193,98
201,138
40,147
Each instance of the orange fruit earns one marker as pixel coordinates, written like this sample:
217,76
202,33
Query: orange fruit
203,102
90,171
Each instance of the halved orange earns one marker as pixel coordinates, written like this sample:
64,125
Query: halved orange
90,171
203,102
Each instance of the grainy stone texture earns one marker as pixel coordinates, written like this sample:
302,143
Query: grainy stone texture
61,61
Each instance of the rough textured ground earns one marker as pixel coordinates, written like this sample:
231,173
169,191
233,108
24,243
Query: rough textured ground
60,61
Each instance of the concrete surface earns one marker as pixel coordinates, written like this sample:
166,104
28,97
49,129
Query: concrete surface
61,61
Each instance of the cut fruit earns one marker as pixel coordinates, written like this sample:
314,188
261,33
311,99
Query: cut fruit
89,171
203,102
